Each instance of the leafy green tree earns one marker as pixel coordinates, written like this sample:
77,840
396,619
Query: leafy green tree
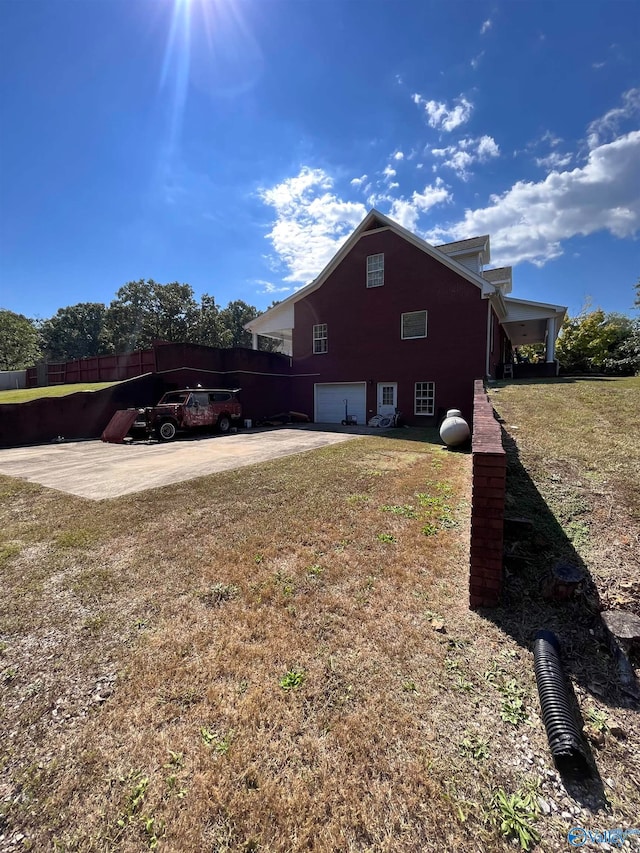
594,342
233,319
209,329
145,311
625,359
636,304
74,332
175,312
233,334
19,341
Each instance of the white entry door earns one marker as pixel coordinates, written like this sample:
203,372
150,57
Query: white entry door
387,398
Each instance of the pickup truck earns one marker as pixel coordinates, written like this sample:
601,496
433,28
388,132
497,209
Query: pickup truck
190,409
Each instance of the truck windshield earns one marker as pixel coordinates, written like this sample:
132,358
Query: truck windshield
175,397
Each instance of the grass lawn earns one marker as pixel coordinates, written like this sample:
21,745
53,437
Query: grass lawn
278,658
23,395
579,440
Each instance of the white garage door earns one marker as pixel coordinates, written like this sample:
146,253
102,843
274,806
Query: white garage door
330,405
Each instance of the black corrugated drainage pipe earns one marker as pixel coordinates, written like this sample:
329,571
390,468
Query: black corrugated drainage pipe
565,740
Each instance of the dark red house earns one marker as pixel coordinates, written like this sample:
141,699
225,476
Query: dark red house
393,323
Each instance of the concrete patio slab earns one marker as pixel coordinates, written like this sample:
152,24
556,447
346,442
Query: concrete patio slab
94,470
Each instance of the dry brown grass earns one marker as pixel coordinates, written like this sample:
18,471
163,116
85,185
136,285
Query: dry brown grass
146,639
579,440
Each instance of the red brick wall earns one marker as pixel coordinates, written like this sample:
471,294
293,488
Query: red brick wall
487,504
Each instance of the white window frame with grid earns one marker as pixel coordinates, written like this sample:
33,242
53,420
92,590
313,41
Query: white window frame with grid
424,399
388,395
414,317
320,339
375,270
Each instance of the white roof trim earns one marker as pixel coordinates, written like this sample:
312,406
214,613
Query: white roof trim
510,300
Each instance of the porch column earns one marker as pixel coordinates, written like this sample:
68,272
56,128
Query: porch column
254,344
551,340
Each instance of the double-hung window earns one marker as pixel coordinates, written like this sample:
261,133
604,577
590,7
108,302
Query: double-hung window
375,270
425,398
414,325
320,338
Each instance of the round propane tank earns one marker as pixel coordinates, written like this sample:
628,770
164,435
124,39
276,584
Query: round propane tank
454,430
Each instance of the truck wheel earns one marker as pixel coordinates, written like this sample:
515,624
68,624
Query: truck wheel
166,431
224,424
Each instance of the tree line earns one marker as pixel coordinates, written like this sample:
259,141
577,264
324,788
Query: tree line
145,311
142,312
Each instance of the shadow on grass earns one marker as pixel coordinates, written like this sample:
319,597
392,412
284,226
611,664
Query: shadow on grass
531,551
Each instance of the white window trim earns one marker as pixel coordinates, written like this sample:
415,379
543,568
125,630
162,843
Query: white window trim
391,388
317,338
413,337
430,413
373,270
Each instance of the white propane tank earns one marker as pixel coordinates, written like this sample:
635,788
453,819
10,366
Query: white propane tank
454,429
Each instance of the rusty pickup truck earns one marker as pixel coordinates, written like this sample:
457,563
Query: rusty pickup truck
190,409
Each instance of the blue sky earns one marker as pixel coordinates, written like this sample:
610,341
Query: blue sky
233,144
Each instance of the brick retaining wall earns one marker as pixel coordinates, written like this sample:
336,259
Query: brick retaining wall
487,504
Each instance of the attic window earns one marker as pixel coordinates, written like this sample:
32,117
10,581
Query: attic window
414,324
375,270
320,338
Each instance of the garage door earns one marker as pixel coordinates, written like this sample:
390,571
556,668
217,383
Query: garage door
330,402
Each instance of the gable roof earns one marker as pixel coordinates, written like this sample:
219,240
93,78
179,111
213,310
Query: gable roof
479,244
498,274
373,221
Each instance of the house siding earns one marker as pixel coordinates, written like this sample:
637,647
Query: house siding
364,329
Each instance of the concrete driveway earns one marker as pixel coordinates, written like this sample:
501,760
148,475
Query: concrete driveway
92,469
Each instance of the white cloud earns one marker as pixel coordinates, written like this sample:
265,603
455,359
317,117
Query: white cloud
407,211
399,155
605,127
311,222
475,62
389,172
443,117
268,287
486,26
358,182
488,147
551,138
529,221
555,160
466,152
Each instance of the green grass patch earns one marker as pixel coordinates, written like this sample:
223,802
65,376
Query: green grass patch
8,550
79,538
25,395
